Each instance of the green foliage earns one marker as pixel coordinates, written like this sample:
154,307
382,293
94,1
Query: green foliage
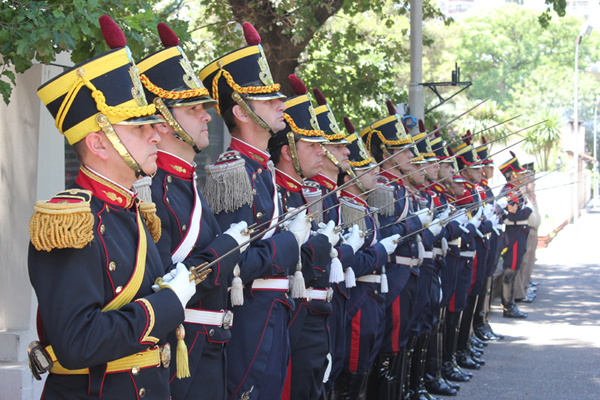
35,31
541,139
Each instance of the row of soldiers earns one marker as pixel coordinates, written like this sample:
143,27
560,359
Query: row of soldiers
356,263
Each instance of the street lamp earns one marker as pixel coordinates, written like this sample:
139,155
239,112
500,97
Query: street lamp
594,70
585,29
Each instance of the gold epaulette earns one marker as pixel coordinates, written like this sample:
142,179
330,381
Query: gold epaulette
66,221
148,211
353,213
383,198
228,186
312,193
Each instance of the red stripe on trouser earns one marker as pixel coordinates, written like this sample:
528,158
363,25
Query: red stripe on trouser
287,387
396,325
474,272
514,259
451,305
355,343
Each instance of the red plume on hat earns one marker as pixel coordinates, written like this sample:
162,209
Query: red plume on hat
483,141
391,108
450,151
167,36
421,126
467,138
251,34
513,154
437,132
319,97
297,86
113,35
348,125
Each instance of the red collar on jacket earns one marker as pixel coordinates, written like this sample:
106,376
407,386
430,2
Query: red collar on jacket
105,189
174,165
248,150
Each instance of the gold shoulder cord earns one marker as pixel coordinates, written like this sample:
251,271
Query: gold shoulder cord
164,110
295,160
108,129
240,102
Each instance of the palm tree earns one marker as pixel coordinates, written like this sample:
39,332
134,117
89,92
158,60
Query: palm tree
541,140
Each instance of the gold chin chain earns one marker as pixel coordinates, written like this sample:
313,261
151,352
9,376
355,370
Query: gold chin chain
179,131
294,153
240,102
108,129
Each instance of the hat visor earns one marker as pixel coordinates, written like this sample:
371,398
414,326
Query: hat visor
264,96
458,179
207,102
314,139
364,167
146,120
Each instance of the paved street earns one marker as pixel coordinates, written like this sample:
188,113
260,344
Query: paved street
555,353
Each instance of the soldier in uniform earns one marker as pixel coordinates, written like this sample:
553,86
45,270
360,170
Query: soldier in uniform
481,319
524,290
517,229
297,154
334,163
241,187
366,306
93,259
190,233
384,138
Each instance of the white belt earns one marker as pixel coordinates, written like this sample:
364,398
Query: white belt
413,262
469,254
319,294
455,242
428,254
525,222
282,284
438,252
369,278
499,227
222,318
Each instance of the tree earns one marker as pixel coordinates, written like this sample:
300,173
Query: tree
37,31
542,139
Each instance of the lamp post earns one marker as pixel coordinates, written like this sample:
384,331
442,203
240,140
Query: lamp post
586,29
594,70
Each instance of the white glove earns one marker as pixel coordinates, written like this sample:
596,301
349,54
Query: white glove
461,217
179,281
434,227
489,211
502,202
353,239
424,216
300,227
329,231
475,221
390,243
443,216
236,232
528,204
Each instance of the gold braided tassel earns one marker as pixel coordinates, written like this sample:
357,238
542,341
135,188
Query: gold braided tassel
183,367
148,211
61,225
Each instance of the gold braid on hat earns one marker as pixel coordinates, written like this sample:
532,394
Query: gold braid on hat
300,131
166,94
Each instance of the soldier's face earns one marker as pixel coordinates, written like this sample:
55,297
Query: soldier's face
140,141
340,152
488,172
311,158
402,158
271,111
431,170
474,175
446,171
417,173
369,180
194,121
457,188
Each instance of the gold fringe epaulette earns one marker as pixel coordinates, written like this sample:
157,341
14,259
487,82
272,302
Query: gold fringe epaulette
353,213
228,186
148,211
383,199
64,222
312,192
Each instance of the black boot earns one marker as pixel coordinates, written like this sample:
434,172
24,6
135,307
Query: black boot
508,295
450,370
463,356
464,360
420,391
349,385
406,368
434,383
382,381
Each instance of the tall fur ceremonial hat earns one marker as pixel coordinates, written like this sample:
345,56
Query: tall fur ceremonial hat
512,165
242,74
327,121
466,155
482,152
168,74
438,145
103,90
386,134
422,142
359,158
